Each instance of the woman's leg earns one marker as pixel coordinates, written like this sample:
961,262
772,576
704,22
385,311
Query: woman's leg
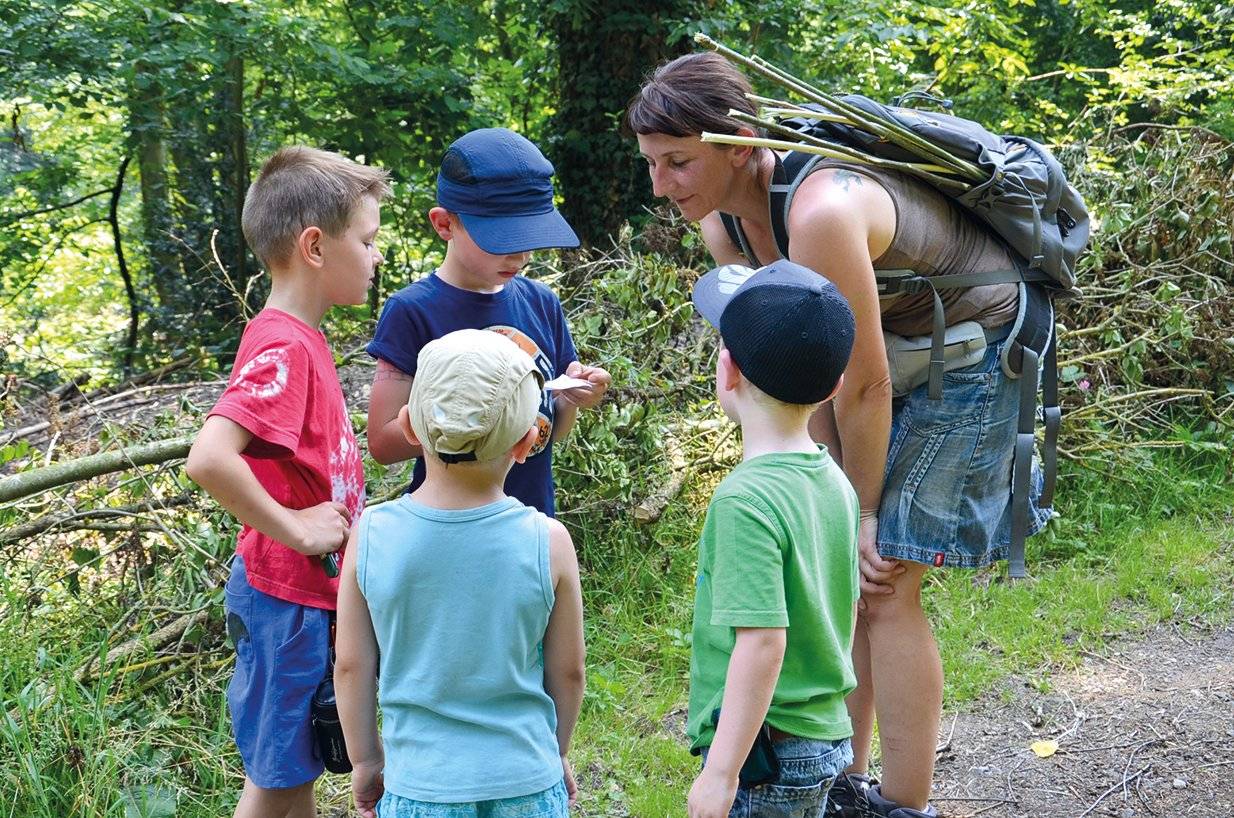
907,678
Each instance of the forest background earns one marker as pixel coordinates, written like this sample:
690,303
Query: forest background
128,135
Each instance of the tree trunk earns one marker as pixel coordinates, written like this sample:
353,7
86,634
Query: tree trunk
236,169
604,52
147,123
113,218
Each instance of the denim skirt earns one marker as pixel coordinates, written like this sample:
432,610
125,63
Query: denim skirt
947,487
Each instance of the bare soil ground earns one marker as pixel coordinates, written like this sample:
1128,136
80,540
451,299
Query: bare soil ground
1145,729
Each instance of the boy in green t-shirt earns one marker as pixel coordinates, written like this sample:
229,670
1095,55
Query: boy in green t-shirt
777,572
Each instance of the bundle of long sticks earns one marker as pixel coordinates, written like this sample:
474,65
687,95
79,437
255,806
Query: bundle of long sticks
937,166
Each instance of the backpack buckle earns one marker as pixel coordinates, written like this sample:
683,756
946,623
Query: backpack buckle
908,283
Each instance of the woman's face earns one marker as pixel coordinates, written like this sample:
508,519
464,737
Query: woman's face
694,175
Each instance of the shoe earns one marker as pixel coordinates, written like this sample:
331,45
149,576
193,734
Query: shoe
876,806
846,798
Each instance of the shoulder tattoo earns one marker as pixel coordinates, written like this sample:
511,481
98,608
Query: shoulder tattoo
846,178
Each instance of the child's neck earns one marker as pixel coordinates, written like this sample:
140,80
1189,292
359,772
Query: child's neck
456,275
766,430
460,485
298,295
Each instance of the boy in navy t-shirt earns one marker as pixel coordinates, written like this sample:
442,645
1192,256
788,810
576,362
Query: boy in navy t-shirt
495,205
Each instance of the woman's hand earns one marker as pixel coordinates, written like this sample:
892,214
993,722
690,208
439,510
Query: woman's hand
877,573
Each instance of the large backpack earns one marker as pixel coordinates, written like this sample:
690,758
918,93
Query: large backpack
1025,199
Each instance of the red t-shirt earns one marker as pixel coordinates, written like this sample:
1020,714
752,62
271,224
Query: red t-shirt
285,390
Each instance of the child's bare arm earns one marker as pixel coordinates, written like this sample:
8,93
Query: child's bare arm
564,651
749,684
215,464
355,686
389,393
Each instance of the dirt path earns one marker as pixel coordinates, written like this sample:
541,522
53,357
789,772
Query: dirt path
1146,729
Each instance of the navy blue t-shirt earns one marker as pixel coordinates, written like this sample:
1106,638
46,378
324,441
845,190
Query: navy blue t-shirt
525,311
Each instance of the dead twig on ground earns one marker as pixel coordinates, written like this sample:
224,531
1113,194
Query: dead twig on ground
1121,784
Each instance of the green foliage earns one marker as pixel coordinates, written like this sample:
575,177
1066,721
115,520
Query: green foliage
199,92
1139,538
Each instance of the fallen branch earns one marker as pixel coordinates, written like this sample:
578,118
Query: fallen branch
112,403
35,527
946,745
146,641
652,507
84,468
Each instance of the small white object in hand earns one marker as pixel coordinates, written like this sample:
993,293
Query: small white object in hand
566,382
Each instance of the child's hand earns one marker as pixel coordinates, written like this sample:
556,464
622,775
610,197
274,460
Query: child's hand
367,787
712,795
586,398
323,528
571,786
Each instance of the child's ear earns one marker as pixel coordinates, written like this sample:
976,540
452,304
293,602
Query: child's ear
729,374
439,217
308,245
522,450
404,424
835,391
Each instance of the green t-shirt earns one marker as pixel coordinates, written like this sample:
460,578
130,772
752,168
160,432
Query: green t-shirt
779,550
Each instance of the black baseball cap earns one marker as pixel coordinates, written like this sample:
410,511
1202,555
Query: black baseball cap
787,327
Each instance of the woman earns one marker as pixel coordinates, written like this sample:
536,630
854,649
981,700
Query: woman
933,476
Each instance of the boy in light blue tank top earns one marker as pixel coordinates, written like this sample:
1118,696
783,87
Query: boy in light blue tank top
466,604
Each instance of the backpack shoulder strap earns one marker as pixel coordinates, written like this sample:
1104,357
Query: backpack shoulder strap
786,177
737,234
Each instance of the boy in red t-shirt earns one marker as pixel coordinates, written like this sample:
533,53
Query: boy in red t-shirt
278,452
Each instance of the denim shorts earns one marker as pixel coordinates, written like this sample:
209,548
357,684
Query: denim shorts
947,487
282,655
550,803
808,766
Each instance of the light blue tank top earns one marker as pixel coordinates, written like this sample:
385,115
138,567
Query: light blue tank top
460,601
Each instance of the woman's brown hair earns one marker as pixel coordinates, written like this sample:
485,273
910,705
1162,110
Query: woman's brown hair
688,96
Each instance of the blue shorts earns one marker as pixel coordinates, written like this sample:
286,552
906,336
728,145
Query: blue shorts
808,767
551,803
947,487
282,655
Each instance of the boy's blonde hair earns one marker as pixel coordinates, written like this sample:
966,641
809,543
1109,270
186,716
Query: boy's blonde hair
301,187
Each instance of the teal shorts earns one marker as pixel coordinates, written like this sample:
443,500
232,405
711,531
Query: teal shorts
550,803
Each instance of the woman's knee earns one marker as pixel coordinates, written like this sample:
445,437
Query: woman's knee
903,602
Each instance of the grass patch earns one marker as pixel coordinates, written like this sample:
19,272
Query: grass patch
1120,558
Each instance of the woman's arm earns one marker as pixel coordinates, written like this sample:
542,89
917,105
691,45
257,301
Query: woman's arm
716,239
839,222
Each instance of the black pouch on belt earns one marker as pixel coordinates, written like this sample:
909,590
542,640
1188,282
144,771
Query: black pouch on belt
762,765
327,730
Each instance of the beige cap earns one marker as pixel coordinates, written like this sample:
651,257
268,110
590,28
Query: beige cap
475,395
